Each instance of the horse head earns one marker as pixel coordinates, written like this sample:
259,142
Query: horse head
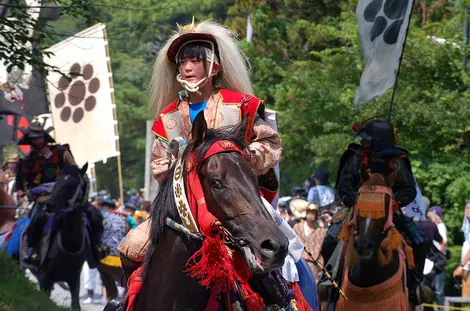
70,188
232,193
373,213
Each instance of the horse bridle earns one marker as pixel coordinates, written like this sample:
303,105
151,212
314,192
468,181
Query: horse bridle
388,216
80,191
189,226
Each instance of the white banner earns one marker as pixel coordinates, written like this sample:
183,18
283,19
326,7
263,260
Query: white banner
82,110
382,30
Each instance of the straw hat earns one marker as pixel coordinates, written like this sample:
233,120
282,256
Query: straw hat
300,207
12,158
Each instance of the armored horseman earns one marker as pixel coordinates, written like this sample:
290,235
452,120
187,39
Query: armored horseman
40,167
378,153
203,68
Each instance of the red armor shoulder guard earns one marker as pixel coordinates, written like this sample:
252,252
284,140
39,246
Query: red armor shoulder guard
250,107
157,128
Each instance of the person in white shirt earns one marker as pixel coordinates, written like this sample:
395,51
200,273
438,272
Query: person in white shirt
463,270
435,214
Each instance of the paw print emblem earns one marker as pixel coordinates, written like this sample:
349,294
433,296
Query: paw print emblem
77,96
388,17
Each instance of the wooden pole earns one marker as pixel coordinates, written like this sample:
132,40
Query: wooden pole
116,129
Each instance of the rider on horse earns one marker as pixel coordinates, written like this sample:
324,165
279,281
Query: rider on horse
379,154
41,166
204,69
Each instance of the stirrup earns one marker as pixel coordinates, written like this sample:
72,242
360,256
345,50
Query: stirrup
32,258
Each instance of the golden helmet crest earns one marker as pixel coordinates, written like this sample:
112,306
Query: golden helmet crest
186,28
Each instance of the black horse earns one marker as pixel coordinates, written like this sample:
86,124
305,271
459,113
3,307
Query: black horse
75,233
231,190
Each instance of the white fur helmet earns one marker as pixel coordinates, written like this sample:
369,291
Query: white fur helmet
166,81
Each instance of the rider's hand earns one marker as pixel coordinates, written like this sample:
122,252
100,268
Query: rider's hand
458,271
247,154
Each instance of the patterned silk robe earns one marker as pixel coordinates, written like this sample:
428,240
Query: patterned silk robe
224,108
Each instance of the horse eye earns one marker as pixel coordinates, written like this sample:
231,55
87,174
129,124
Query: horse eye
216,184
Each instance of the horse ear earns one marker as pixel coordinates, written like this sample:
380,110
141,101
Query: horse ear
199,129
84,169
392,178
365,174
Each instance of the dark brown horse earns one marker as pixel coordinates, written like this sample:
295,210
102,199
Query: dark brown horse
374,264
70,234
231,190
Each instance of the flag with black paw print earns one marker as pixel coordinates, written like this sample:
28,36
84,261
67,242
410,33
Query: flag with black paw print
382,30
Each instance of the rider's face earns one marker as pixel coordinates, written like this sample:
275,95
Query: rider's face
366,144
38,142
467,210
192,69
12,166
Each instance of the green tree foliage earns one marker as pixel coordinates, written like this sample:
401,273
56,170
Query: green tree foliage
23,34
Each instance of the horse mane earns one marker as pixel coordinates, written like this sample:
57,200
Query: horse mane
164,204
70,169
76,171
235,134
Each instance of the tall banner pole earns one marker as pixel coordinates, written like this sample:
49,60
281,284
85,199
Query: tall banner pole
116,130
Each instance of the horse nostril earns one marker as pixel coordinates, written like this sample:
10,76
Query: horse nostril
270,247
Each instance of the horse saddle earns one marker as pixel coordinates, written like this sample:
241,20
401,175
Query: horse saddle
40,193
42,189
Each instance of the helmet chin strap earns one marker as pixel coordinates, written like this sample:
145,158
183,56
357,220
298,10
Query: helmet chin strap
194,87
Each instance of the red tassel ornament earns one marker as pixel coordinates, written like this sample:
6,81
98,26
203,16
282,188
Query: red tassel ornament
214,266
